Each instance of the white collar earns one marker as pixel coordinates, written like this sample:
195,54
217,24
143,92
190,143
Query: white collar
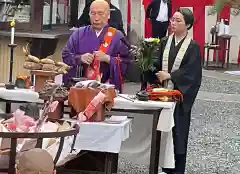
178,40
99,32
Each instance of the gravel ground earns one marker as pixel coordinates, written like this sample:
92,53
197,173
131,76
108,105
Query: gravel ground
210,84
214,141
214,145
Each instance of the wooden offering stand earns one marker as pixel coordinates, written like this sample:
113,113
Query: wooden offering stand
59,111
41,77
13,136
79,98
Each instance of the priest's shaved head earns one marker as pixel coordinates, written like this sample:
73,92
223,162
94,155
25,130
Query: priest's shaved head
35,161
99,14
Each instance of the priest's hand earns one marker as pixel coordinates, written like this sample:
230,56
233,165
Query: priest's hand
102,56
162,75
87,58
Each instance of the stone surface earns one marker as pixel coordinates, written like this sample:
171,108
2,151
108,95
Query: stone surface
215,85
214,140
214,145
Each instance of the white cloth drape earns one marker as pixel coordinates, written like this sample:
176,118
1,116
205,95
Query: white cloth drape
137,148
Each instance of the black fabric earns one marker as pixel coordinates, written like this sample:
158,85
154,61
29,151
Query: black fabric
154,7
114,21
180,165
188,16
159,29
187,79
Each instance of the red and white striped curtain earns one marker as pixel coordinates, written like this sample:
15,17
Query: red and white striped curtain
200,29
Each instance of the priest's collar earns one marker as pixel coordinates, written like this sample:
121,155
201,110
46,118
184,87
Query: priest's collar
179,39
99,32
106,26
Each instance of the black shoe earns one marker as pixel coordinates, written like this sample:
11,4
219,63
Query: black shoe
168,171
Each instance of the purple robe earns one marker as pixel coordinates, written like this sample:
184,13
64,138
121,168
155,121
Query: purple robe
85,40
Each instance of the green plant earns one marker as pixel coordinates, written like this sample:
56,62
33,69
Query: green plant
144,53
219,5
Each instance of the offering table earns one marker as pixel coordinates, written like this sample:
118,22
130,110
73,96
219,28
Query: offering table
153,108
123,106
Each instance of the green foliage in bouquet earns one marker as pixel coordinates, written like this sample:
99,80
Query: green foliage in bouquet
219,5
144,51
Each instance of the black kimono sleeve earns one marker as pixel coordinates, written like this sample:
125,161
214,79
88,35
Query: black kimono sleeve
187,79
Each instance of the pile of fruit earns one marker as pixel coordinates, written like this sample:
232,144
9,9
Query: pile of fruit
46,64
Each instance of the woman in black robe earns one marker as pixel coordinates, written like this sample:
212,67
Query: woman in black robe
187,79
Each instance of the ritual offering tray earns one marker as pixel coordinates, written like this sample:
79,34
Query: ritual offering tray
60,95
43,69
90,99
163,94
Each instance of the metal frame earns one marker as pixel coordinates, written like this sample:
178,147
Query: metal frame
13,136
156,135
155,141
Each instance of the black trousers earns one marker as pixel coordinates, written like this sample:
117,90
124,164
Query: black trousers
180,164
159,29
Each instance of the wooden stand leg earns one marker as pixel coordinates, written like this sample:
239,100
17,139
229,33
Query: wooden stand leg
40,81
155,145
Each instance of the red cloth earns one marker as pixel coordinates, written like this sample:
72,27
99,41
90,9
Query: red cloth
148,25
129,12
199,15
239,55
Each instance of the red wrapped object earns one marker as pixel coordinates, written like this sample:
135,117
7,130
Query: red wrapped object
93,107
85,101
163,94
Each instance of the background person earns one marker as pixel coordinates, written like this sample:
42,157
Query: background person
159,12
115,19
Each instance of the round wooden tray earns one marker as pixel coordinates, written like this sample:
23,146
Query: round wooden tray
44,73
39,136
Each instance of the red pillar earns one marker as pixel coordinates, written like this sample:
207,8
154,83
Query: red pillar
148,25
129,12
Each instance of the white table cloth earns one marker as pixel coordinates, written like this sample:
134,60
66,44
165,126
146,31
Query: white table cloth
103,136
93,136
165,125
25,95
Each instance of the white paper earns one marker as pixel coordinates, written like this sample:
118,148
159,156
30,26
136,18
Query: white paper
237,73
117,118
65,154
58,79
48,127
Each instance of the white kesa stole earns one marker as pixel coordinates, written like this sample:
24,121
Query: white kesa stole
167,159
179,56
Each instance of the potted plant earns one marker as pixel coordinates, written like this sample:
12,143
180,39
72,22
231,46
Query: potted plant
144,56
